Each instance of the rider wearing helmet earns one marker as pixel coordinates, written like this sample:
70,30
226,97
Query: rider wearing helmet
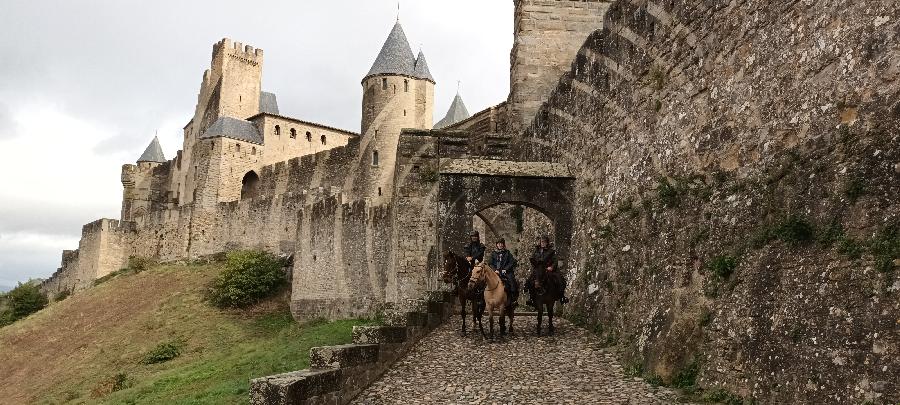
544,257
503,262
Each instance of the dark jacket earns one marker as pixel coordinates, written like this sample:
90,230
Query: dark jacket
543,258
503,260
475,250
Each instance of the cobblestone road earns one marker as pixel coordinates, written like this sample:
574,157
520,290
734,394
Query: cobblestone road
569,368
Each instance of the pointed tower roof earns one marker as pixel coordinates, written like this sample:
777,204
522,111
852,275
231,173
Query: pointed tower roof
421,70
153,153
456,113
396,56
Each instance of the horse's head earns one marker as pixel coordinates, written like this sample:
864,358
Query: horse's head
450,267
477,274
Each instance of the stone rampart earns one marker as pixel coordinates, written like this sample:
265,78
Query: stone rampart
737,179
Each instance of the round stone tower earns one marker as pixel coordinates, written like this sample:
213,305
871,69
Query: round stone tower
398,93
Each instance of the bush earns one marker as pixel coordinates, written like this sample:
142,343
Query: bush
138,264
22,301
722,266
162,353
686,378
850,248
854,189
886,248
795,230
62,295
668,194
249,277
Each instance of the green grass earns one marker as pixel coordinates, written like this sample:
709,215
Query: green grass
274,343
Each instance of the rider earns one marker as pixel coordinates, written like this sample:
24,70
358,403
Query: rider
545,256
474,250
505,264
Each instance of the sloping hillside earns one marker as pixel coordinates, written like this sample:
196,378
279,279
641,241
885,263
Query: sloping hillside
81,349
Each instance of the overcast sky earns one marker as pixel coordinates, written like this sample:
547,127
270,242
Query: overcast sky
85,84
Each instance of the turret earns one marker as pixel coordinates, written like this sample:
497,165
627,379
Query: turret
143,184
457,112
398,93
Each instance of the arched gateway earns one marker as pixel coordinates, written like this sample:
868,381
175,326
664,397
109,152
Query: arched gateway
467,187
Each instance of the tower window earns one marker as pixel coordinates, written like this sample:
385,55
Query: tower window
308,136
293,133
375,158
323,139
395,88
237,147
277,130
384,83
406,86
253,150
379,191
404,113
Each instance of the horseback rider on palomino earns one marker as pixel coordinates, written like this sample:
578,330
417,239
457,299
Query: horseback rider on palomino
544,256
503,262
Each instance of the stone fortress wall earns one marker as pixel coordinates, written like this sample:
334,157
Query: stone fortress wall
763,132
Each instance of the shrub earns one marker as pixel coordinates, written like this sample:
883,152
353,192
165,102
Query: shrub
850,248
722,266
854,189
886,248
249,277
723,397
162,353
138,264
686,378
63,295
22,301
668,194
795,230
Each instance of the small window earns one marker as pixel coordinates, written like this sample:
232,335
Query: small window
293,133
384,83
395,88
404,113
375,158
308,136
379,191
323,139
277,130
406,86
237,147
253,150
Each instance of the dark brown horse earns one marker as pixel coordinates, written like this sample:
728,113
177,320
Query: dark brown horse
457,272
545,292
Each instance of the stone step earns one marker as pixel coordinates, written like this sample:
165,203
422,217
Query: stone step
294,387
379,334
343,356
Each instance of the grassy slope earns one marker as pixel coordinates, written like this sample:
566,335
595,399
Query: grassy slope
65,352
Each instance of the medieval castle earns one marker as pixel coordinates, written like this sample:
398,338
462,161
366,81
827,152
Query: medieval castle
704,165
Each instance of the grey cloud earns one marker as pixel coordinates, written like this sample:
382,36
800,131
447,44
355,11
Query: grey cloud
7,125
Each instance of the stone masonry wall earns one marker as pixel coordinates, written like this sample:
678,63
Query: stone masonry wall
547,35
738,175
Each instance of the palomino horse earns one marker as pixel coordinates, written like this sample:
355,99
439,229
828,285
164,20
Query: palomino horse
456,272
544,293
495,298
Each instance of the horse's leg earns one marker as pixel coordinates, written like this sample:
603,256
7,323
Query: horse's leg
540,310
491,317
503,323
462,304
477,316
512,314
550,317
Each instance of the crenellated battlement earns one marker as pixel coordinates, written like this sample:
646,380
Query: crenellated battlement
239,51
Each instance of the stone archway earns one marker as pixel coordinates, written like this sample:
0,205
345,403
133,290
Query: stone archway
468,188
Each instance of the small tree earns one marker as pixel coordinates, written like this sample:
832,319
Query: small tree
22,301
249,276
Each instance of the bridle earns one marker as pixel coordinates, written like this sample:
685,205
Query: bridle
473,280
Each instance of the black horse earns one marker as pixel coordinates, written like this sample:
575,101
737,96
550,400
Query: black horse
544,292
457,272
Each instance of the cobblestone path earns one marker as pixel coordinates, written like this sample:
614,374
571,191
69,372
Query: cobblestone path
568,368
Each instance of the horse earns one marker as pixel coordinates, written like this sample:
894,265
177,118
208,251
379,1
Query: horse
544,294
456,272
495,297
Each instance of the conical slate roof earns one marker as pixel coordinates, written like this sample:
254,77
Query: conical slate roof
456,113
421,70
153,153
396,56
